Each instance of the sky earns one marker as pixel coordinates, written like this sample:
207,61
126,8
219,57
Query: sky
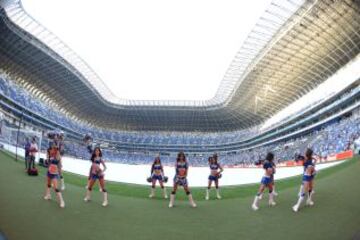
153,50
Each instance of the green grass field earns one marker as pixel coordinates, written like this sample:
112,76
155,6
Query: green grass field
131,215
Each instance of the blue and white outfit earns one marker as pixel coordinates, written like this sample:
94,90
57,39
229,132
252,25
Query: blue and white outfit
157,168
307,177
157,174
95,171
53,174
180,177
53,169
214,167
266,180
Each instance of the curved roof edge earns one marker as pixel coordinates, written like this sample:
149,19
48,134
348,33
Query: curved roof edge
258,42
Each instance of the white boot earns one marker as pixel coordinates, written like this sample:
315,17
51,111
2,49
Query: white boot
165,193
191,200
47,194
274,192
172,200
207,194
105,202
218,193
271,199
61,200
301,190
62,184
255,206
152,193
297,205
87,196
260,196
309,201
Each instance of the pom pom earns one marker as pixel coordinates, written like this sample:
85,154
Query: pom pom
165,179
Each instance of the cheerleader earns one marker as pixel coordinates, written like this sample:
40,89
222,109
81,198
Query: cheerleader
157,174
97,174
307,181
312,181
53,174
180,179
215,174
90,178
266,182
272,181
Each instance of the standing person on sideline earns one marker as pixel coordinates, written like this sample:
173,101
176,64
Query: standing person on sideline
215,174
157,174
27,153
180,179
307,180
97,173
32,153
266,182
53,174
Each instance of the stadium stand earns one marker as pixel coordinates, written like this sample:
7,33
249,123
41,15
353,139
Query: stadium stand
329,137
230,124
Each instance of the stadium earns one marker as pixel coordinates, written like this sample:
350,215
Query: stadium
292,85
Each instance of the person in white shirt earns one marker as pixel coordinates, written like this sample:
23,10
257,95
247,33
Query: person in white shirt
32,152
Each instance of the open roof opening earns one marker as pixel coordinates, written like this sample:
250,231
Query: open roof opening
153,50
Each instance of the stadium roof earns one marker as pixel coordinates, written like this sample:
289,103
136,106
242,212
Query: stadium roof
153,50
293,48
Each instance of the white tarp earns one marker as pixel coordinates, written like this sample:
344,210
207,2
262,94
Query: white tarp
197,176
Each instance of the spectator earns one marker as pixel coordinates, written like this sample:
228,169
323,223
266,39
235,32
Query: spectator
27,153
32,152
